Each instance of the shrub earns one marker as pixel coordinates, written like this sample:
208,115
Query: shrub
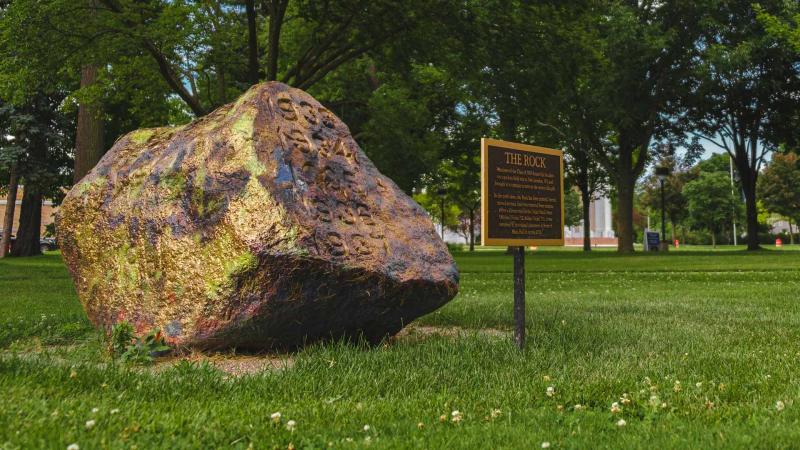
126,346
122,336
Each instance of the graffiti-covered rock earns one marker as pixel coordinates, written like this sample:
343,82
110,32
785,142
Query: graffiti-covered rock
262,225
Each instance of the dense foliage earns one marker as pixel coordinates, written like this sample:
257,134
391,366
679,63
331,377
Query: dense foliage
420,82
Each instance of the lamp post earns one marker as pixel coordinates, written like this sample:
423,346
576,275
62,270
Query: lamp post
442,192
733,192
662,172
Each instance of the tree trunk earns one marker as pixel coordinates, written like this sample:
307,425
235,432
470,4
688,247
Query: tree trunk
472,230
11,204
89,136
277,9
713,240
587,223
749,185
221,85
628,169
30,223
625,239
672,230
791,233
252,42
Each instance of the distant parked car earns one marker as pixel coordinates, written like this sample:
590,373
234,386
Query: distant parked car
10,243
47,244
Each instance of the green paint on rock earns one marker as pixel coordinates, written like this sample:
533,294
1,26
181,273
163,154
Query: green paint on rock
140,137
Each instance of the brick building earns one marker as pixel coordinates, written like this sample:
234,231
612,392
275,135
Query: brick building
48,209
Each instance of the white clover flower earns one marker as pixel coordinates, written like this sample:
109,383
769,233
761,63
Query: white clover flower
545,444
621,423
546,378
114,411
290,425
551,391
677,386
699,384
366,428
625,400
421,426
578,407
779,405
95,410
654,400
275,417
615,408
455,416
90,424
73,447
495,413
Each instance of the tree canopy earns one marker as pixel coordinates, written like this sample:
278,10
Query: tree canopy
419,82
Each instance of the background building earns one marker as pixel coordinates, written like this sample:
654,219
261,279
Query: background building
48,209
601,226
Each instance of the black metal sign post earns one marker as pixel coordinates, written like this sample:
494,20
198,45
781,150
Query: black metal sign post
519,296
522,204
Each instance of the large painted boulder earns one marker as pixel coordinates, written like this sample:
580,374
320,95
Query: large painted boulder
260,226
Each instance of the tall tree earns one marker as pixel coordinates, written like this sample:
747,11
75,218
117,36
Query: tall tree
11,205
581,133
710,202
42,143
646,49
745,83
462,185
322,36
681,171
9,170
510,63
460,170
66,47
89,143
151,53
779,187
782,23
575,117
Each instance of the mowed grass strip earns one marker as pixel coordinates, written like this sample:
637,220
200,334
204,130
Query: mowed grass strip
698,349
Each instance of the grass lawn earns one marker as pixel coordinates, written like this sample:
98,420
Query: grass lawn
697,347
